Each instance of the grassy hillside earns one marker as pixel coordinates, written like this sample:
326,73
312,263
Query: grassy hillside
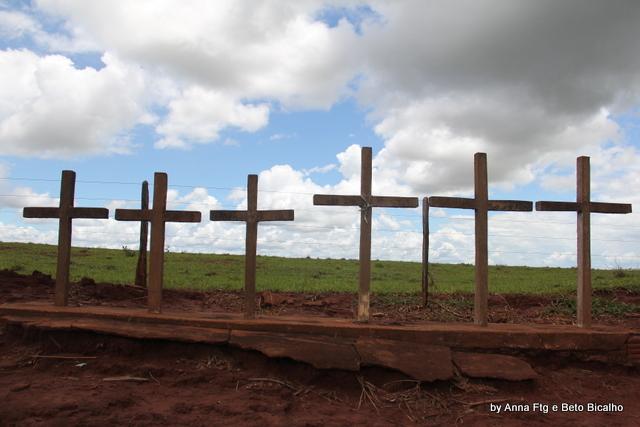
207,271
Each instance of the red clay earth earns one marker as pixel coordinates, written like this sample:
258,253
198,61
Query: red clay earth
102,380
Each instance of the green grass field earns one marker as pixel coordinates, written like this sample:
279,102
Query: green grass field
207,271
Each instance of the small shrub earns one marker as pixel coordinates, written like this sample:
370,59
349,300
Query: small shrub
128,252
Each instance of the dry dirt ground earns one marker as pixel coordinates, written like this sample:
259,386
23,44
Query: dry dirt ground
63,378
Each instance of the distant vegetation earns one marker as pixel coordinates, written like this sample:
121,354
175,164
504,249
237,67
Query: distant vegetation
208,271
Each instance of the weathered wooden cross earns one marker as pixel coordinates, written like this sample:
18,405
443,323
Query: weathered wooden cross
157,216
66,212
251,216
481,204
141,267
584,207
365,201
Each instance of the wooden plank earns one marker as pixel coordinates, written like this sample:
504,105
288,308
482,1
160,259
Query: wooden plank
133,215
141,266
364,276
452,202
394,202
584,242
251,248
41,212
276,215
425,251
337,200
610,208
156,262
224,215
90,213
182,216
67,191
481,296
557,206
510,205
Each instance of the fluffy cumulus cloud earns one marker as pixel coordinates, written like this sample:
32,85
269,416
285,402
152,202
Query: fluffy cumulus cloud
50,108
198,115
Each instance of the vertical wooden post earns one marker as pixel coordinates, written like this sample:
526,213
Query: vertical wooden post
67,191
250,263
365,237
584,242
425,251
156,266
481,226
141,268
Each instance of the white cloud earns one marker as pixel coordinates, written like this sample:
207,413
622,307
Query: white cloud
198,115
48,108
254,49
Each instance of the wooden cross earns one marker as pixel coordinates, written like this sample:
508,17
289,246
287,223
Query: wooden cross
141,267
66,212
251,216
157,216
584,207
365,201
481,204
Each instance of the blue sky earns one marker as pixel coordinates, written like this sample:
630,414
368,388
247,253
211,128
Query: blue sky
213,91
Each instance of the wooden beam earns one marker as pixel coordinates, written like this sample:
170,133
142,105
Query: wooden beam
141,266
557,206
337,200
452,202
583,184
425,251
394,202
44,212
156,264
610,208
67,191
276,215
222,215
133,214
510,205
182,216
480,308
364,276
250,263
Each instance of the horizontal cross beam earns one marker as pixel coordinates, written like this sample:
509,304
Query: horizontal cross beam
594,207
146,215
260,215
373,201
492,205
74,212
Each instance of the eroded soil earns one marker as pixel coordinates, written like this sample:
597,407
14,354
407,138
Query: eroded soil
63,378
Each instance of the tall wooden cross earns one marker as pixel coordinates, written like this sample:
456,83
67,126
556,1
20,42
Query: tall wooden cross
158,216
584,207
66,212
251,216
141,267
481,204
366,202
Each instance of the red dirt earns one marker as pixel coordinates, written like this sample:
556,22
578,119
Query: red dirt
188,384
